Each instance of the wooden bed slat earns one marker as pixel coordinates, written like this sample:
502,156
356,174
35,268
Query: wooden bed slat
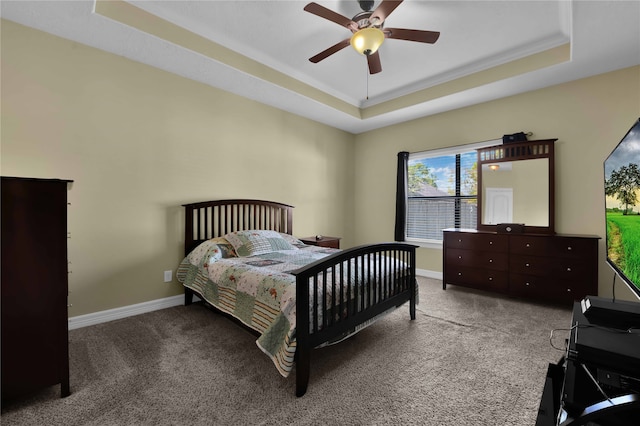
211,219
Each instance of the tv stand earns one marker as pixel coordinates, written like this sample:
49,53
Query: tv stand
597,382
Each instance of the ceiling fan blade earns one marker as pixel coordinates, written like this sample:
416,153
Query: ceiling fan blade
374,63
330,51
384,10
325,13
412,35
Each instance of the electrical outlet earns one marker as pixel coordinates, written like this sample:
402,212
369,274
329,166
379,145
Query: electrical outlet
167,276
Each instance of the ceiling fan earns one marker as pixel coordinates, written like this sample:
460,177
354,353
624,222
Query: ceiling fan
368,31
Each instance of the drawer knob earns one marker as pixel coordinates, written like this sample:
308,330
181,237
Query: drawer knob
459,256
527,284
528,245
459,274
569,290
526,264
569,248
490,278
459,240
490,242
490,260
568,269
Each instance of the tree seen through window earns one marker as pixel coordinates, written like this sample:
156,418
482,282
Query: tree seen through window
441,194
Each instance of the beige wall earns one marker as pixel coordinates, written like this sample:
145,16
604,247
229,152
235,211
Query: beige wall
139,142
588,116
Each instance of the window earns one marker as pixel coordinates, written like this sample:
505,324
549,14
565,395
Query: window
442,191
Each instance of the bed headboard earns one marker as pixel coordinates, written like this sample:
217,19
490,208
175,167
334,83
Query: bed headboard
210,219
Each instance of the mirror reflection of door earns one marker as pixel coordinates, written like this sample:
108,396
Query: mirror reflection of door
498,205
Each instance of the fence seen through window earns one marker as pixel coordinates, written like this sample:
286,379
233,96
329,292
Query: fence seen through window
442,191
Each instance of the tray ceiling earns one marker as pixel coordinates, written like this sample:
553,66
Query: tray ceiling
260,50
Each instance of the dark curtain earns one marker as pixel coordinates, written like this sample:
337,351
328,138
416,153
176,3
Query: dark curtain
401,196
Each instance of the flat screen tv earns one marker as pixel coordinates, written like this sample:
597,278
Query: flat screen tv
622,202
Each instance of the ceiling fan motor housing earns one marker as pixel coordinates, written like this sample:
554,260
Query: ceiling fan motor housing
361,20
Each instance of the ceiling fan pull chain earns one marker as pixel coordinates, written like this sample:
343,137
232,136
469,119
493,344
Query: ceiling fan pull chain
366,70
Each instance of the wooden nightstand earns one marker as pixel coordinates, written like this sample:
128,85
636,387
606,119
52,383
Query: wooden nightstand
332,242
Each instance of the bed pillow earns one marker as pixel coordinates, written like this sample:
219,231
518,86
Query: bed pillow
254,242
292,240
210,251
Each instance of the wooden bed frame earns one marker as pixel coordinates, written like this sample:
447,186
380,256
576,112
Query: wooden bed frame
210,219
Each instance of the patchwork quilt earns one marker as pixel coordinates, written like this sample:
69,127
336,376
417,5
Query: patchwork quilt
258,290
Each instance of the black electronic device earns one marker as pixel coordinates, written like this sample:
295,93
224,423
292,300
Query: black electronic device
619,314
602,370
516,137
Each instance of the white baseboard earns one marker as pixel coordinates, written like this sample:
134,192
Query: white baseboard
168,302
429,274
124,312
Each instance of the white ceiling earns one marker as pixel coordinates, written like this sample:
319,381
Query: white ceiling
280,36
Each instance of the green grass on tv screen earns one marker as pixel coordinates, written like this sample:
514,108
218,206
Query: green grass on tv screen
623,243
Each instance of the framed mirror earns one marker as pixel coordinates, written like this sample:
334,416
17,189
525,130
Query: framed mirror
516,186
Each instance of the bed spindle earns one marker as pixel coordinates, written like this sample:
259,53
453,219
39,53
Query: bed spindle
211,219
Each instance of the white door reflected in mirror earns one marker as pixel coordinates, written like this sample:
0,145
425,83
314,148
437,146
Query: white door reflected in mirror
498,205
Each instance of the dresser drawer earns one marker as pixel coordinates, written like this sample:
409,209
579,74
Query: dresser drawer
483,279
530,245
537,287
575,248
574,291
572,270
567,269
477,259
472,241
577,290
531,265
553,246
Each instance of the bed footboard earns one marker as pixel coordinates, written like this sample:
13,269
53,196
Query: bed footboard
341,292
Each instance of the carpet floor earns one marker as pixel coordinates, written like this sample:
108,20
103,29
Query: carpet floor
469,358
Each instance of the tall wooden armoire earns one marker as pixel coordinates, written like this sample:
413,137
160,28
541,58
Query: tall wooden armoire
35,344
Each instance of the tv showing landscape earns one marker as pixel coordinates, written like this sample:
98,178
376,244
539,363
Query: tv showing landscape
622,201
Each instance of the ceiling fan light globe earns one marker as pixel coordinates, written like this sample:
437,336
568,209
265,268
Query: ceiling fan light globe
367,40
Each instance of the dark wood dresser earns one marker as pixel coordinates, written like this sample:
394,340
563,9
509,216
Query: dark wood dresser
555,268
35,344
